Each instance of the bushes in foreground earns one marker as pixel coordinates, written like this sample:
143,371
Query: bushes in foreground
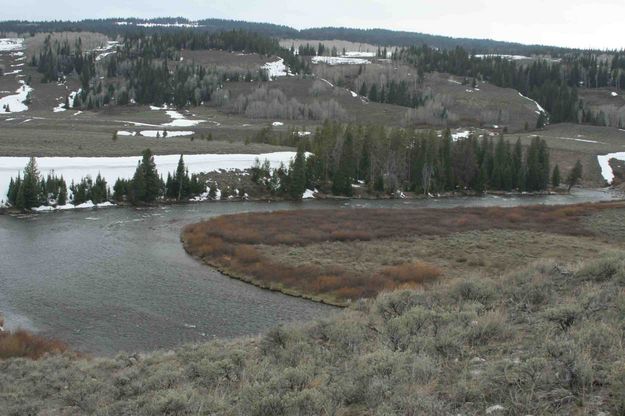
471,346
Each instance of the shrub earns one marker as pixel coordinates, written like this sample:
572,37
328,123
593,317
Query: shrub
490,327
246,254
22,343
563,315
478,290
602,269
416,273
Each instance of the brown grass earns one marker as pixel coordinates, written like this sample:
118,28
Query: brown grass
23,344
230,243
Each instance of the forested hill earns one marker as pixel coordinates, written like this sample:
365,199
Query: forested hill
372,36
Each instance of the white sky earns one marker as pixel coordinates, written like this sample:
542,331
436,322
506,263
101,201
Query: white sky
572,23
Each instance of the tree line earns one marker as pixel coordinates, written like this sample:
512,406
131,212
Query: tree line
31,189
395,160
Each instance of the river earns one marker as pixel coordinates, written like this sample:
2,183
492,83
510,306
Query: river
117,279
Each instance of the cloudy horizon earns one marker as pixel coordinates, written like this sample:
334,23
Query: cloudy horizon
577,24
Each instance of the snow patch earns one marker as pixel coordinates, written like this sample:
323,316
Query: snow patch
510,57
460,135
84,205
277,123
276,69
606,169
161,133
614,94
11,44
358,54
308,194
538,106
339,60
327,82
15,103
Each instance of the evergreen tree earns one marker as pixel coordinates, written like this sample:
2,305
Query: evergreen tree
575,175
555,177
62,198
29,187
343,177
12,192
152,184
297,175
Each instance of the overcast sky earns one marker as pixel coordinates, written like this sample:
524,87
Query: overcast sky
573,23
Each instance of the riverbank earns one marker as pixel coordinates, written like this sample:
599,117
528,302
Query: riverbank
230,179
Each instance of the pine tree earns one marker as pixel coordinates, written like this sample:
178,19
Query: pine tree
575,175
11,191
517,166
152,188
62,198
540,123
343,177
555,177
30,188
138,185
297,175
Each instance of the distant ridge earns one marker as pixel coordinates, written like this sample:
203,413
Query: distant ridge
383,37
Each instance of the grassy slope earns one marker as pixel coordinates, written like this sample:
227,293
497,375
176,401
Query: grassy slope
544,340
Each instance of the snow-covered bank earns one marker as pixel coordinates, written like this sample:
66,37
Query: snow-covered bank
84,205
111,168
606,170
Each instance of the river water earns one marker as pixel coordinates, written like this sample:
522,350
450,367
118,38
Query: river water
117,279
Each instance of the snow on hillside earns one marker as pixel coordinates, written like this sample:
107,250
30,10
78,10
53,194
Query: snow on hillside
150,24
356,54
170,133
11,44
339,60
276,69
178,120
511,57
106,50
606,169
15,103
540,109
111,168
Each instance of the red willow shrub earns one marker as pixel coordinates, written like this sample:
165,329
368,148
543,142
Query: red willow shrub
227,242
23,344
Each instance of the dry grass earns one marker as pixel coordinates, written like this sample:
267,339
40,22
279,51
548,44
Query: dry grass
23,344
270,249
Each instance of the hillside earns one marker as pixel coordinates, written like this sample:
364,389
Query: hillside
543,340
